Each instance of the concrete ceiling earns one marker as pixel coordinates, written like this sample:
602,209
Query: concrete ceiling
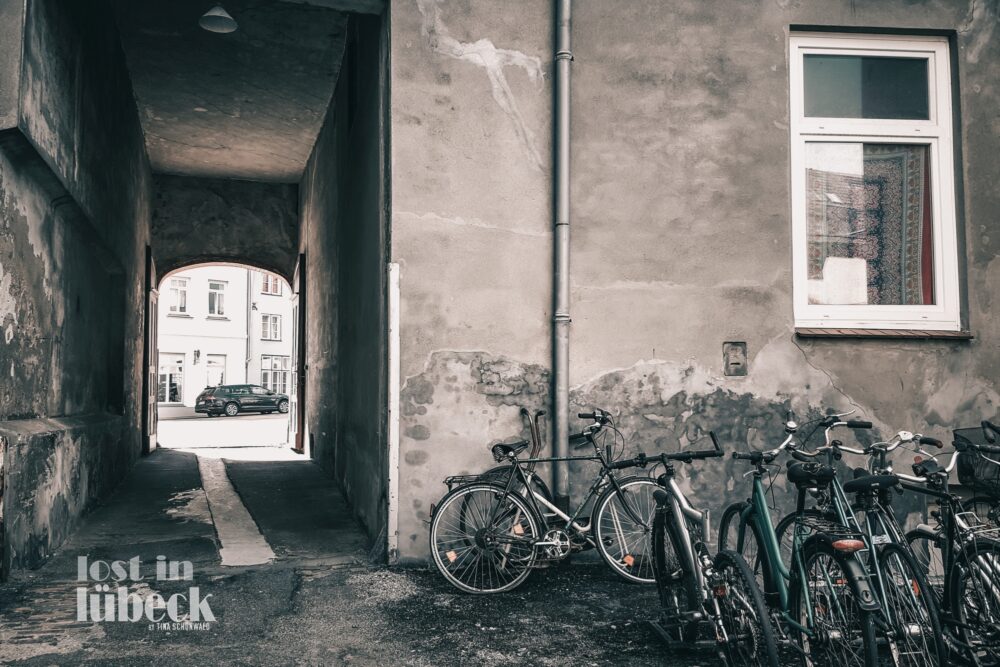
247,105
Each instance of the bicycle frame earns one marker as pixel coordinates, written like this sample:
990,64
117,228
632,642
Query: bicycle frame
758,512
681,510
525,472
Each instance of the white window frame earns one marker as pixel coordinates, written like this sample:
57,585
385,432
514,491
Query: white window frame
220,298
268,373
273,330
945,314
270,283
177,287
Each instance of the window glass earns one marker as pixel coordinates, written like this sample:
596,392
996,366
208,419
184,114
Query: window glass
868,217
840,86
216,298
178,295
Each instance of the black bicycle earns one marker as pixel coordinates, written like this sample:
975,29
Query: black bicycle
960,556
488,533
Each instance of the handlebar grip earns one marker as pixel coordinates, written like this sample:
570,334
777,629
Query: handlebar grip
586,415
858,423
745,456
933,442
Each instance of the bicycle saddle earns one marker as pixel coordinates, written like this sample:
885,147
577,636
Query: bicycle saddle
809,474
865,481
508,450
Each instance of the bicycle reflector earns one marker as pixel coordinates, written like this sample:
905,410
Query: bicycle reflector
848,546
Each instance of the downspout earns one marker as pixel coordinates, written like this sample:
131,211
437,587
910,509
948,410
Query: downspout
560,317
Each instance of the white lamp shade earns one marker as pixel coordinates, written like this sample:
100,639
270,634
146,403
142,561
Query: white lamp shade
218,19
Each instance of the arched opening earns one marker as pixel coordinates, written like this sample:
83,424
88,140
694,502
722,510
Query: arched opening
226,359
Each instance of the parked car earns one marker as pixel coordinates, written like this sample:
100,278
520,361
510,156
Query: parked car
232,399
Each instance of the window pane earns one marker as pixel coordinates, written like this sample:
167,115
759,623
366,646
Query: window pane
869,224
866,87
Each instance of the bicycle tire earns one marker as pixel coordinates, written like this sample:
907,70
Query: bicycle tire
824,653
632,559
474,559
761,638
676,584
926,552
753,551
974,630
912,606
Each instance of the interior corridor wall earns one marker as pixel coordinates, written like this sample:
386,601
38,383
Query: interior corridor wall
74,215
343,235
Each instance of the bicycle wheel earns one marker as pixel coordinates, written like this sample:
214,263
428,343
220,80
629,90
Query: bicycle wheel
624,543
926,551
752,550
974,595
841,633
750,638
482,538
675,583
785,532
914,634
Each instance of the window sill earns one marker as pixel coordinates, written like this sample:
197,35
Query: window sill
182,315
883,333
217,317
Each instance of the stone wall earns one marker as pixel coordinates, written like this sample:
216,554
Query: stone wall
681,234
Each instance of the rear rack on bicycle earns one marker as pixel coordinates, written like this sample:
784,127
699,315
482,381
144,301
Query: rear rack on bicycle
459,480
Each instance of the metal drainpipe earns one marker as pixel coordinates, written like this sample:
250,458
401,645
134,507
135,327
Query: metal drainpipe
561,318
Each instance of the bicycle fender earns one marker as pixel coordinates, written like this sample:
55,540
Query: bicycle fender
858,580
857,576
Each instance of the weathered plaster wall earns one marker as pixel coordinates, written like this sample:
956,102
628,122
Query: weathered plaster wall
681,233
471,100
11,39
75,208
198,220
344,238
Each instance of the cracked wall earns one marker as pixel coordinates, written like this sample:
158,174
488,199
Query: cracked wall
681,235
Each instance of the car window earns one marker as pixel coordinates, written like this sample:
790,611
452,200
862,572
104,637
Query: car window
260,391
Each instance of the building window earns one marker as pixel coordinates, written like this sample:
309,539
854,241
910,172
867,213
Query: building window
171,386
270,327
178,296
873,193
216,298
275,373
215,366
271,284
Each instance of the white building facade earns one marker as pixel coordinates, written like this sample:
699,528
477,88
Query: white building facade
223,325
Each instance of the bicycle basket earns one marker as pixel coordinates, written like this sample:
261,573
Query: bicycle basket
979,473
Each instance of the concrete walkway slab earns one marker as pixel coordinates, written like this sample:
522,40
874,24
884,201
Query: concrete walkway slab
240,541
298,509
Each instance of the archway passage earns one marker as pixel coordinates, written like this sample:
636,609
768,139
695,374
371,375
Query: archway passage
133,144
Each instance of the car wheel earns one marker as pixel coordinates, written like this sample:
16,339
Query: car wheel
232,409
283,407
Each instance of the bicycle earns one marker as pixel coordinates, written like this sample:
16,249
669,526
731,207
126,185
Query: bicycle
822,600
694,588
486,537
980,473
909,622
961,555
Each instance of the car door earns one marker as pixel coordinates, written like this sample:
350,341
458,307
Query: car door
259,397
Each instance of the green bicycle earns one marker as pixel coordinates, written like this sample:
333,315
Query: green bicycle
822,600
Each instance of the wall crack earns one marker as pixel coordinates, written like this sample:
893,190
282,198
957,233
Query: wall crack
483,53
